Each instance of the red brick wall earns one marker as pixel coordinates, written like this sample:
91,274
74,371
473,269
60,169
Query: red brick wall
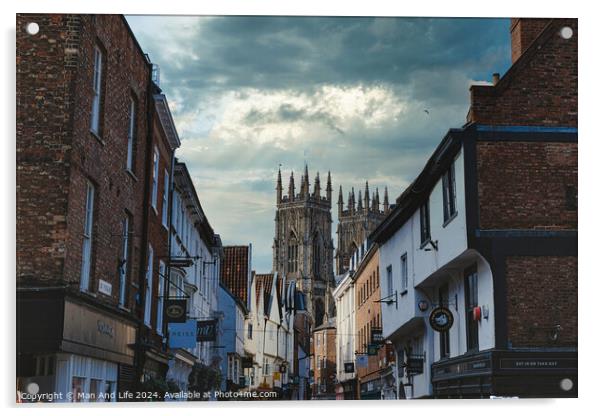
539,89
524,185
57,153
326,350
523,32
533,313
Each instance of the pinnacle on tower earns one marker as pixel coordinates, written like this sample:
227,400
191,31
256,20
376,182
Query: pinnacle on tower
377,203
305,185
340,202
360,207
367,197
328,188
386,201
279,187
291,188
317,186
352,200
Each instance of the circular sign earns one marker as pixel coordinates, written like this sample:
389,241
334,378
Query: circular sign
175,311
441,319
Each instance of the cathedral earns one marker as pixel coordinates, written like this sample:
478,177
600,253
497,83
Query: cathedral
303,249
303,246
357,222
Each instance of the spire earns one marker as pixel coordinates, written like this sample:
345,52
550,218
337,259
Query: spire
305,186
360,207
373,201
317,186
367,197
279,187
386,201
291,188
377,203
352,200
328,188
340,202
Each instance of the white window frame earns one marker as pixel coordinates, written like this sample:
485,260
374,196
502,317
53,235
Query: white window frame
165,198
131,133
155,178
123,269
403,260
87,238
148,295
390,280
97,91
162,272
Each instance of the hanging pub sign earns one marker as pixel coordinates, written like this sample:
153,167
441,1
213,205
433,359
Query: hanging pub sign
349,367
247,362
441,319
376,336
372,349
182,335
206,330
175,310
414,365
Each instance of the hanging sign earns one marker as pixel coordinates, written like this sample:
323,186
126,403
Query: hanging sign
376,336
372,349
362,361
175,310
441,319
206,330
349,367
414,365
247,362
182,335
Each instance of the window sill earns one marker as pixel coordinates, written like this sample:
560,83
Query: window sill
97,137
134,177
123,308
450,219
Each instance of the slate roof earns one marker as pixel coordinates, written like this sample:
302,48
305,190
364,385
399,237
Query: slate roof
235,270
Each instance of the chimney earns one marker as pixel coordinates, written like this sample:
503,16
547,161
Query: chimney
523,32
496,78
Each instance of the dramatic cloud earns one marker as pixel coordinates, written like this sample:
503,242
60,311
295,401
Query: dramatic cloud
250,94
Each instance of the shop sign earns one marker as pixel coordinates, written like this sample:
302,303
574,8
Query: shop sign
372,349
175,310
206,330
349,367
441,319
414,365
362,361
182,335
376,336
247,362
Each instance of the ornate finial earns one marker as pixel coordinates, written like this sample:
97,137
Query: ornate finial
386,201
279,187
360,207
291,188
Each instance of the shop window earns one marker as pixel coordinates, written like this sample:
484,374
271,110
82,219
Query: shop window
77,388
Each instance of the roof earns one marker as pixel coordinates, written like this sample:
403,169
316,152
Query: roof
235,271
264,280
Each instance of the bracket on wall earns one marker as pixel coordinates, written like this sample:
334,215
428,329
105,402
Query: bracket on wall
388,300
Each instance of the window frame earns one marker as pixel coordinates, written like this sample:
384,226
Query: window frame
131,146
88,235
471,300
97,91
148,290
155,178
389,280
425,224
165,199
448,184
403,264
124,269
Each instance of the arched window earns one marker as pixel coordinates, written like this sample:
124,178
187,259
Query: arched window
292,253
317,266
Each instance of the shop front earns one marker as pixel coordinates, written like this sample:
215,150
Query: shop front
507,373
70,350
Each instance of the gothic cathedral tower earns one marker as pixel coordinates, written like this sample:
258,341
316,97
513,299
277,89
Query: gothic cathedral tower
357,222
303,246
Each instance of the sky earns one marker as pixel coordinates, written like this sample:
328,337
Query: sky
345,95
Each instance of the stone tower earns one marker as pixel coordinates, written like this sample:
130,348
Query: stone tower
357,222
303,248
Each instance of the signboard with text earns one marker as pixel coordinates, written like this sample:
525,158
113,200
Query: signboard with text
182,335
206,330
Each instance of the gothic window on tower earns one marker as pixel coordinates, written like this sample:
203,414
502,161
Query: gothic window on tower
292,256
316,256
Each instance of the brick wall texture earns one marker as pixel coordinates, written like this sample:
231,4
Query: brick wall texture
540,88
57,154
542,293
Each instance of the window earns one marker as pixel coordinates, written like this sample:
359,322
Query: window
471,301
149,288
404,272
87,243
77,389
97,91
425,226
444,336
123,262
155,177
390,280
292,256
250,331
131,136
449,194
165,196
162,272
266,367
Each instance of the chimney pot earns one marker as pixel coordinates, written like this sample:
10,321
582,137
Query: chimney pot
496,78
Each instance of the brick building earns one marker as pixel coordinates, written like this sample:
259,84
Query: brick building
324,361
82,103
154,279
479,256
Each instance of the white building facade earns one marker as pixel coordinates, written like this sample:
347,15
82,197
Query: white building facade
344,297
